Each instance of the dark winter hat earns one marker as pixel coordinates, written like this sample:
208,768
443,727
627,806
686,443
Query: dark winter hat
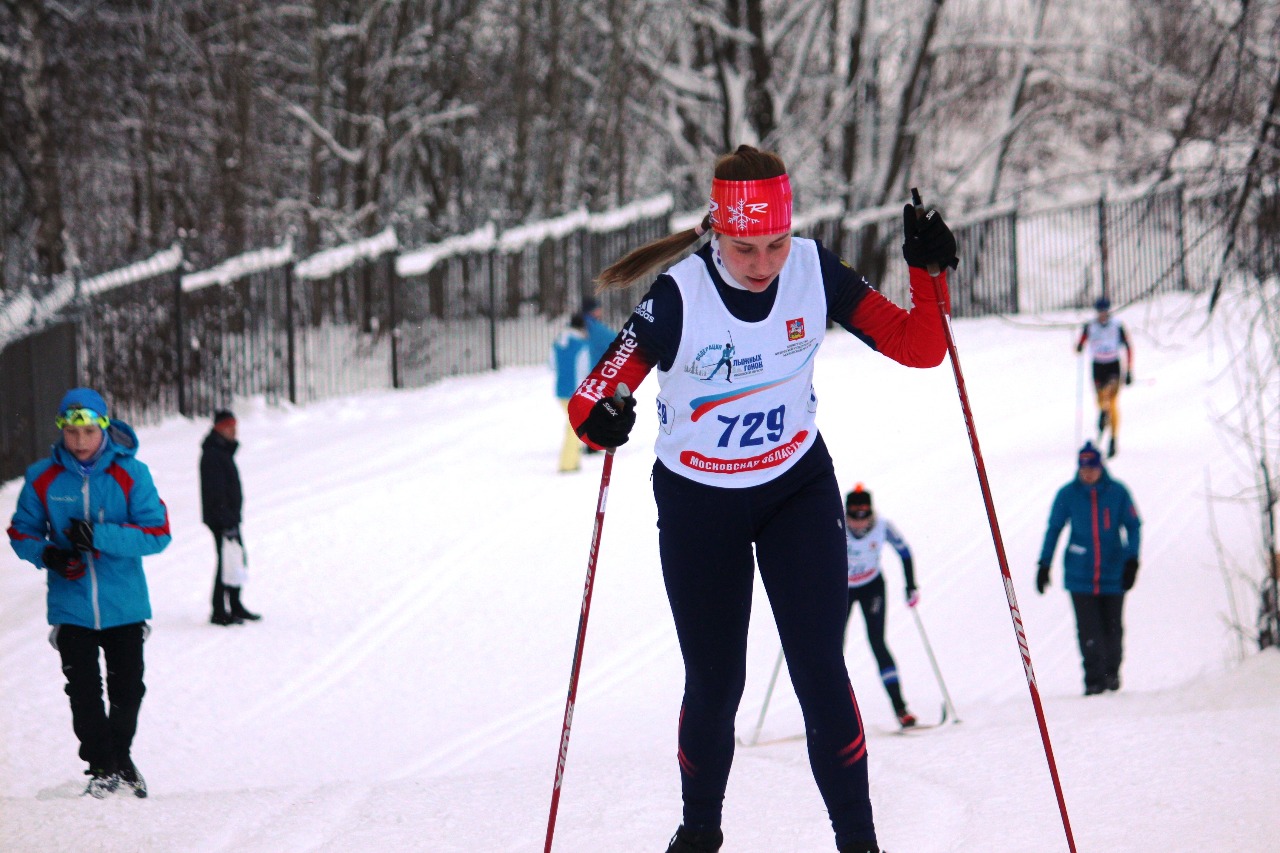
1089,457
83,398
223,415
858,502
1103,304
576,322
590,304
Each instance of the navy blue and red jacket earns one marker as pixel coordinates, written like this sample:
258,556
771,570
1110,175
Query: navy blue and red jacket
651,337
1106,531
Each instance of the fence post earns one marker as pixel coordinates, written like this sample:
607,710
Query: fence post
393,318
291,343
1102,246
1182,240
180,343
1013,259
493,309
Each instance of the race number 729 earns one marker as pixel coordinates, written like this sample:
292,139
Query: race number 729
752,422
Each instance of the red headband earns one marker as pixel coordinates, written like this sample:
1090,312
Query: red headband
751,208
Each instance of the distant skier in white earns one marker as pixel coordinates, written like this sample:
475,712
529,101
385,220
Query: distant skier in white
866,535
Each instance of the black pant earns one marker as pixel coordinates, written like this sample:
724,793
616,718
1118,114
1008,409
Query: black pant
1100,628
219,589
105,740
871,596
706,538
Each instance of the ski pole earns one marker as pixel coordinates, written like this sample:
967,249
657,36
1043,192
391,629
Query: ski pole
1079,399
755,736
946,697
601,499
1024,647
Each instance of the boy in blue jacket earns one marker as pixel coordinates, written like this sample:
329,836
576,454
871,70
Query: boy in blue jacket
88,515
1099,566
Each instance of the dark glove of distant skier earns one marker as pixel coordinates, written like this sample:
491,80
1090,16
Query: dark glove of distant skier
1130,573
65,563
81,534
1042,578
610,421
913,596
927,241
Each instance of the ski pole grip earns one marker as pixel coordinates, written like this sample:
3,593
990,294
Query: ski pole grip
622,392
918,203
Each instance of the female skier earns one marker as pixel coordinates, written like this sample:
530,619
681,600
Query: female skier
741,466
867,535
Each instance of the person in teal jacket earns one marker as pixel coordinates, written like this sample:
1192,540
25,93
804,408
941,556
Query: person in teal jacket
1100,564
88,515
571,359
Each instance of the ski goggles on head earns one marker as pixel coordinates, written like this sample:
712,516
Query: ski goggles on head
81,416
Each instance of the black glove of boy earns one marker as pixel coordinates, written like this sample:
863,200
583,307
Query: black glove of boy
1042,578
81,534
1130,573
927,240
65,563
611,419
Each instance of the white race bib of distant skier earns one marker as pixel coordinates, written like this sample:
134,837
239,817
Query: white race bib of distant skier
737,406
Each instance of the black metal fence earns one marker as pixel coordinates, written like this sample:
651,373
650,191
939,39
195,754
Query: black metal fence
372,314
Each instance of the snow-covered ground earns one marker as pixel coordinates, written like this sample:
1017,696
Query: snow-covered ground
420,567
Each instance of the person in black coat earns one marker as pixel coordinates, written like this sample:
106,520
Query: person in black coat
221,500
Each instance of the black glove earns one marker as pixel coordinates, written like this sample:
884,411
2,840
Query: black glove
1128,377
81,534
65,563
1042,578
928,241
1130,573
610,421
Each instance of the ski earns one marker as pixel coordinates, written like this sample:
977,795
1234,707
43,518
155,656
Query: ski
772,741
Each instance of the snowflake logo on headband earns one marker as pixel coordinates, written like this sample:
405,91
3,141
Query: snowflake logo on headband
738,214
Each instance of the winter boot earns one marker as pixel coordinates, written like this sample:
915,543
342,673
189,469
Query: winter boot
237,609
696,841
225,618
101,782
1113,682
906,719
130,778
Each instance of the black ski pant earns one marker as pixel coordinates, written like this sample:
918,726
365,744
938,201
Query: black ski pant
706,538
1100,629
871,596
105,739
